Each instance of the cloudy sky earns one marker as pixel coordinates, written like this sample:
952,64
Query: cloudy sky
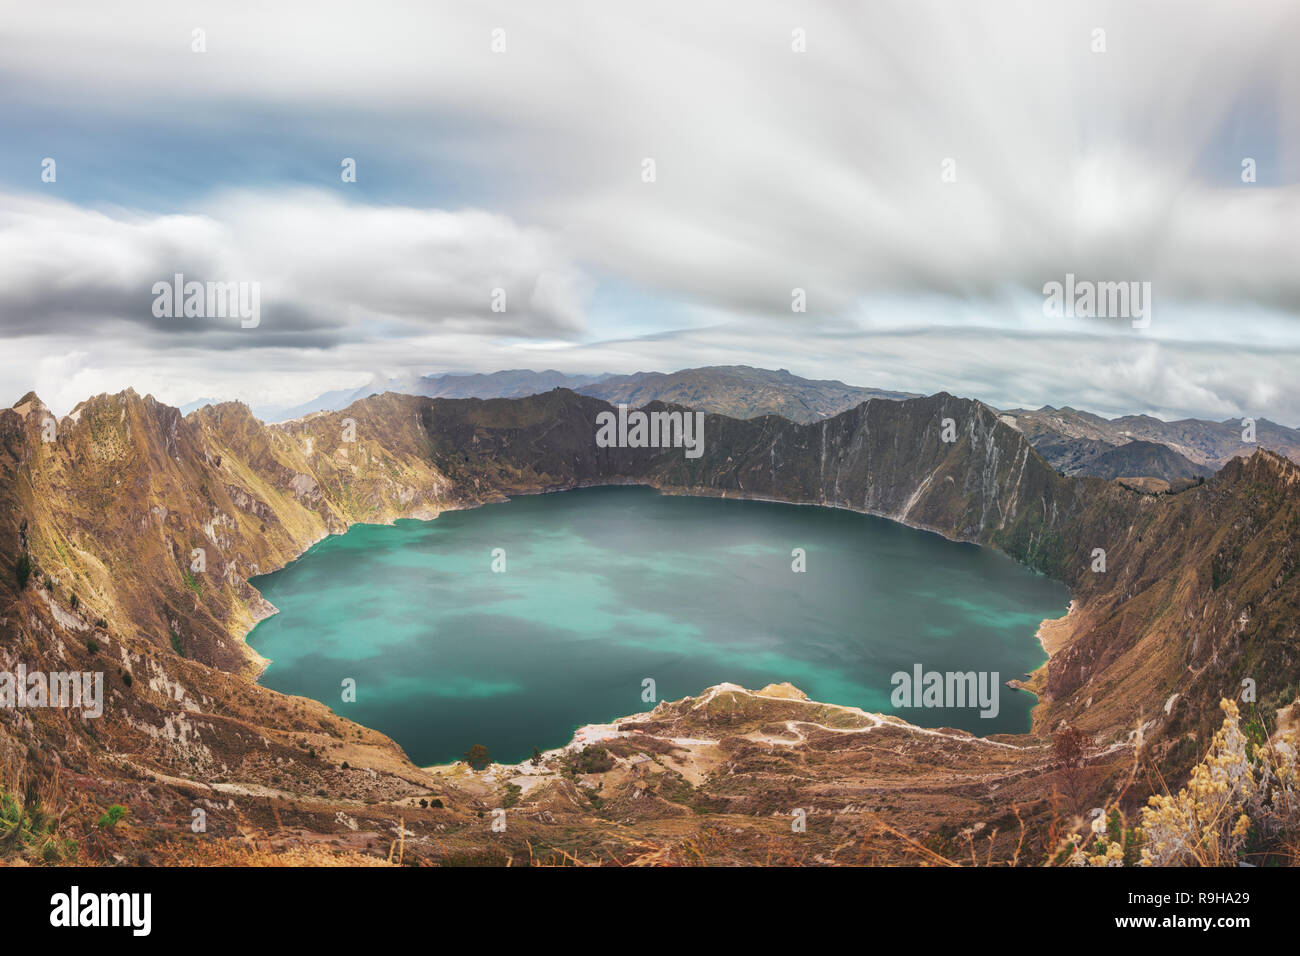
920,170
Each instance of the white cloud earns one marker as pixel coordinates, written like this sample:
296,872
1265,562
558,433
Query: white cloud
775,169
330,271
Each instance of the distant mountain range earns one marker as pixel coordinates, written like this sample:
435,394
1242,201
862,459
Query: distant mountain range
734,390
513,383
1073,442
739,391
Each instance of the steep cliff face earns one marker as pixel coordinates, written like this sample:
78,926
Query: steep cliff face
942,463
1197,590
1199,594
155,521
101,518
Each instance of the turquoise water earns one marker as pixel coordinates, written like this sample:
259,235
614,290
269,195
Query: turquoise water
606,587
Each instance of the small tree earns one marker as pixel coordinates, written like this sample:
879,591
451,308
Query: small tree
1071,747
477,757
537,757
24,569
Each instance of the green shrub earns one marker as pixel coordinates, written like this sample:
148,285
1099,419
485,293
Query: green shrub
30,833
592,759
24,569
112,817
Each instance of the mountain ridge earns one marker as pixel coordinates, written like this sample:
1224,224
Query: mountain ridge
1075,442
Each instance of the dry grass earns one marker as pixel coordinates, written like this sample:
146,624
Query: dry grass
240,853
878,843
1241,802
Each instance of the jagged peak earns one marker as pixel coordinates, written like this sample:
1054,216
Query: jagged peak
127,396
29,403
1267,458
222,409
1261,462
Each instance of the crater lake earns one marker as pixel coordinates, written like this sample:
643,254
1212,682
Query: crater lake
597,591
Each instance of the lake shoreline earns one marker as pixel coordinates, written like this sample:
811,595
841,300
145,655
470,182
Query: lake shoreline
828,537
